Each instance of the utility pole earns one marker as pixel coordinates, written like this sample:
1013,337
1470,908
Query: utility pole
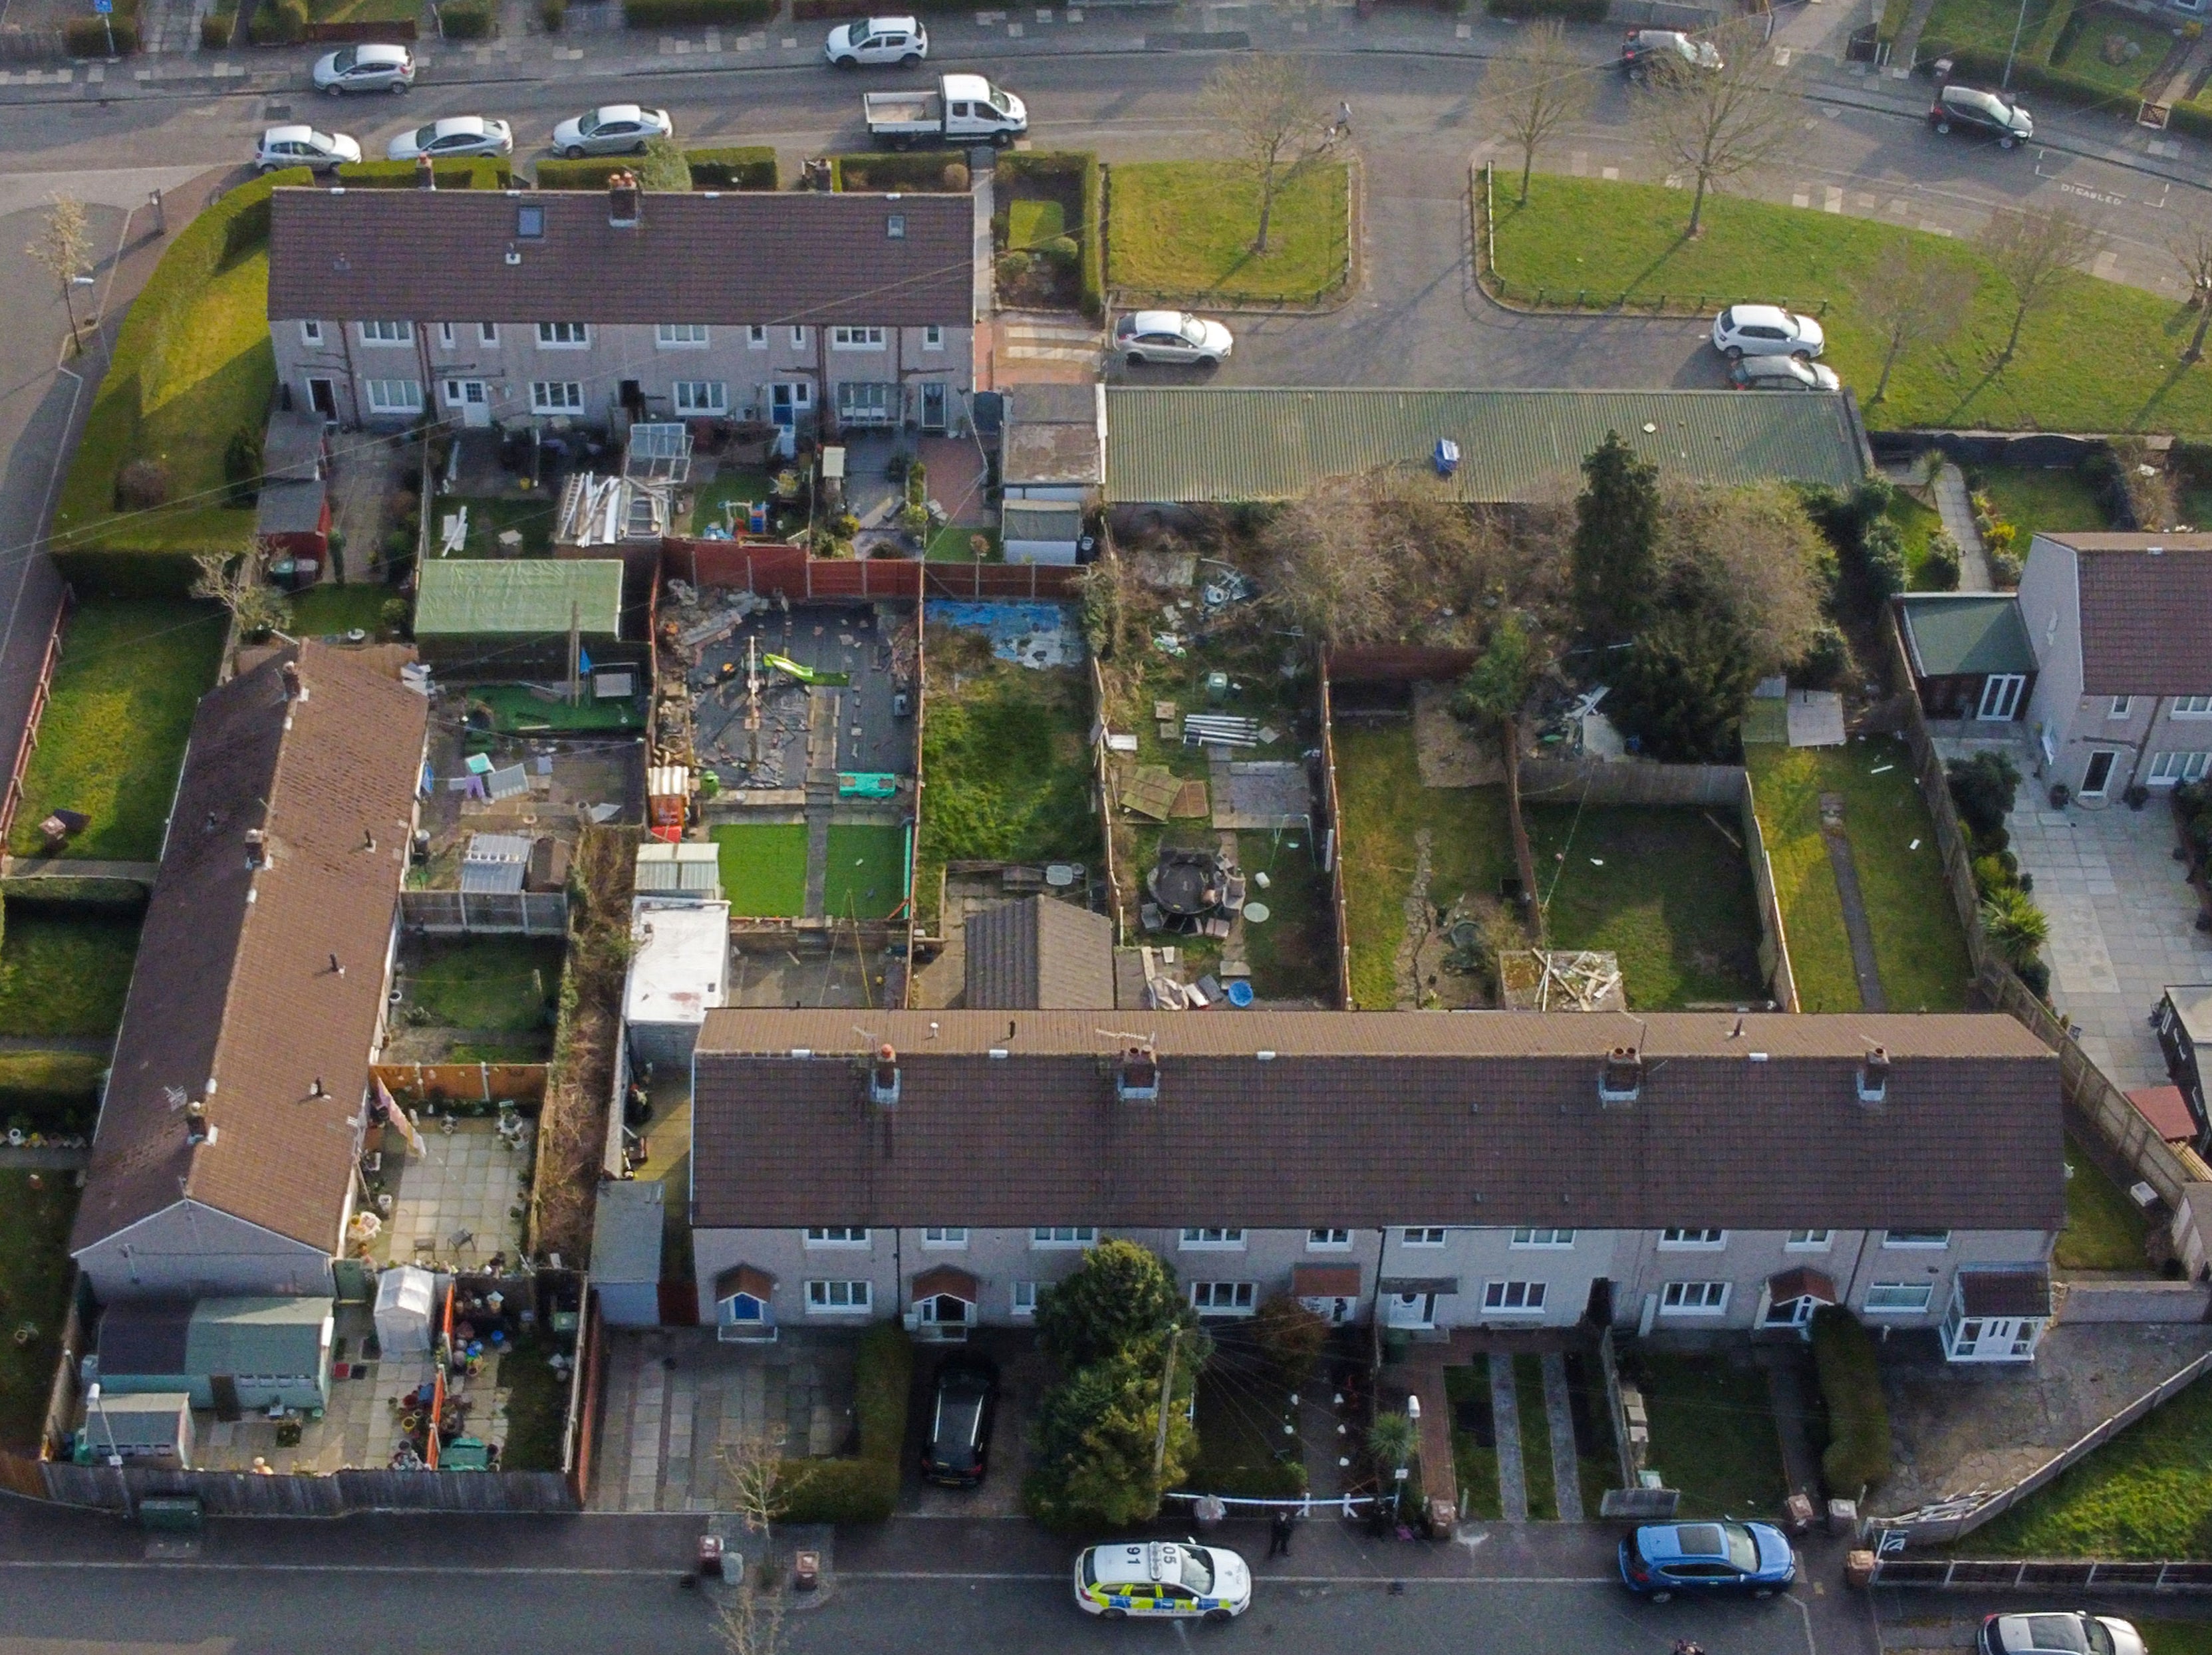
2018,23
576,618
1167,1389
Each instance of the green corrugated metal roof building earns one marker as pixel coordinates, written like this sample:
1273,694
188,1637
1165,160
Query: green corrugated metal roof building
1182,446
477,597
1966,635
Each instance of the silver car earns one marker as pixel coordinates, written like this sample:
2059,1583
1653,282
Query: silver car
369,67
1782,374
302,146
611,129
1162,335
453,137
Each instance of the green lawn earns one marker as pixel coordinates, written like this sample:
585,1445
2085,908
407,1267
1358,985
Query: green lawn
322,611
1672,898
1291,952
495,984
113,735
2100,357
2175,1637
517,709
1242,1449
1184,230
1713,1434
1915,524
764,868
2143,1495
729,483
2052,501
65,971
2104,1229
2084,54
866,878
1536,1474
34,1284
536,1405
1988,24
1378,780
1475,1465
531,515
955,543
1919,948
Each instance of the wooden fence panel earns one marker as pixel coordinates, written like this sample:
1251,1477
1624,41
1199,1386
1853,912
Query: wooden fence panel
429,1084
1629,782
244,1494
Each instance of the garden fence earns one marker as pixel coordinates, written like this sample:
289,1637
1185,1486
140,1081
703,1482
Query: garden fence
777,570
43,590
2041,1574
1332,806
251,1493
435,1083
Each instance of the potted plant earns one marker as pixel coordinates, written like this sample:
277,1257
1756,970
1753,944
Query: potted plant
2060,793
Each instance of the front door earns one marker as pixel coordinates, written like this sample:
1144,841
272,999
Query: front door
471,399
225,1387
788,400
2000,696
2098,775
944,1310
322,398
1791,1312
933,405
1413,1310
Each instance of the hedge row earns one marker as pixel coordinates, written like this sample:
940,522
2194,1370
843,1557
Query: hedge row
466,20
278,23
87,36
591,173
476,172
864,1489
741,167
1091,179
914,172
1857,1456
677,14
1570,11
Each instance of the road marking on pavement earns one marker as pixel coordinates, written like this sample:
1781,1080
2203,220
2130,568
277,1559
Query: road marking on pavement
2105,265
1013,31
1831,198
1782,57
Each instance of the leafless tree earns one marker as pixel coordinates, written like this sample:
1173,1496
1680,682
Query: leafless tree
62,249
2033,248
2192,253
240,585
1917,294
1749,557
1537,87
750,1620
1717,121
1275,116
755,1479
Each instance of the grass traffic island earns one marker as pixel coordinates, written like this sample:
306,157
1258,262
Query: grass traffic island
34,1266
113,738
1713,1434
1919,947
2098,357
2103,1230
1182,230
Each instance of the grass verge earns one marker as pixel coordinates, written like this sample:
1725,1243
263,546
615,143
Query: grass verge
1713,1432
65,971
2098,357
1184,230
1474,1460
2103,1230
1536,1473
764,868
34,1265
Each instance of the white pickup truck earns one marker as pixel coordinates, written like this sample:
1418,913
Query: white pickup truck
964,107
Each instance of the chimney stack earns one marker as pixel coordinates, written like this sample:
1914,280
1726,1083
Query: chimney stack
1621,1079
884,1077
1138,1078
1874,1076
622,200
426,174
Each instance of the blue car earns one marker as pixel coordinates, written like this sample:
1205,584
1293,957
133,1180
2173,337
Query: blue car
1660,1559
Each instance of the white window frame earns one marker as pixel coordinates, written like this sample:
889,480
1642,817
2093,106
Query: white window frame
2191,706
2121,706
837,1235
932,336
311,333
1211,1239
1225,1298
1062,1237
1421,1235
564,335
1673,1240
857,339
487,333
1695,1298
1924,1240
1908,1298
687,400
858,1295
951,1237
1328,1241
756,337
385,335
799,338
2171,769
1508,1298
1540,1236
679,335
1808,1241
554,396
445,335
378,393
1021,1299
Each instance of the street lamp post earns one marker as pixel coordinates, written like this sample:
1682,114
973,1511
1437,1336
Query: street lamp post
93,1405
2018,23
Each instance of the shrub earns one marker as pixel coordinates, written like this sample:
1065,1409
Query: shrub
663,168
749,167
1857,1457
1942,566
863,1489
916,172
1290,1336
1826,660
279,23
591,173
1881,560
2036,976
241,465
477,172
551,13
673,14
87,36
1982,788
141,485
1062,250
216,29
464,19
1094,239
2004,568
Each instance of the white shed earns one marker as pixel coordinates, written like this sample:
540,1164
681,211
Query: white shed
154,1425
679,971
406,1310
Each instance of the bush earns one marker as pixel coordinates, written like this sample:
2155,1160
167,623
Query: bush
466,20
920,172
748,166
662,168
1826,660
241,465
591,173
1881,561
279,23
674,14
1942,566
141,485
477,172
216,29
2004,568
1857,1457
863,1489
551,13
87,36
1982,788
1062,250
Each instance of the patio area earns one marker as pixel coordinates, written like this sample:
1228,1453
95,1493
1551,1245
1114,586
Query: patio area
457,1206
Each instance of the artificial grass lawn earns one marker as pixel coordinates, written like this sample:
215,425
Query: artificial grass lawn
65,971
1673,899
866,878
529,515
1475,1465
2098,357
516,709
1184,230
495,985
1713,1434
34,1284
2143,1495
1536,1475
2104,1229
1289,951
1379,782
2051,499
328,610
764,868
1919,948
113,738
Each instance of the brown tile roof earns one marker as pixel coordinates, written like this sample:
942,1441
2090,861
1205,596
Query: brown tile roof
1802,1282
2146,616
1324,1281
723,260
1038,952
946,1278
234,999
1290,1119
748,1279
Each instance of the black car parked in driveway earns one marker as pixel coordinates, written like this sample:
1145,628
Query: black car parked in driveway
1969,109
962,1403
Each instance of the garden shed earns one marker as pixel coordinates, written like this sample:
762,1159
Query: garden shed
626,1233
679,971
1970,654
151,1425
229,1355
504,619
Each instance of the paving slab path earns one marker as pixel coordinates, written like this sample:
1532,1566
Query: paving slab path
1956,509
1505,1420
1558,1411
1863,964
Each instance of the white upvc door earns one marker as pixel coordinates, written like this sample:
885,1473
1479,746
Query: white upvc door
1413,1310
473,400
2000,696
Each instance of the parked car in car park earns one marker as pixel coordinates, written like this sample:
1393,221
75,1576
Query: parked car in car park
1781,373
1164,336
1991,114
1767,330
452,137
901,40
2058,1631
369,67
1644,47
1162,1580
611,129
1658,1559
302,146
962,1403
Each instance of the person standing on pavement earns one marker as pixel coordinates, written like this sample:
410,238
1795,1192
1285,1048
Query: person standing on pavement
1279,1529
1343,127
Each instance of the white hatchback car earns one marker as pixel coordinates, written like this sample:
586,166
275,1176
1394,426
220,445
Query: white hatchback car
901,40
1743,330
611,129
453,137
302,146
1164,336
1782,374
1162,1580
370,67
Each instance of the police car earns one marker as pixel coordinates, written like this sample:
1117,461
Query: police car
1162,1579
